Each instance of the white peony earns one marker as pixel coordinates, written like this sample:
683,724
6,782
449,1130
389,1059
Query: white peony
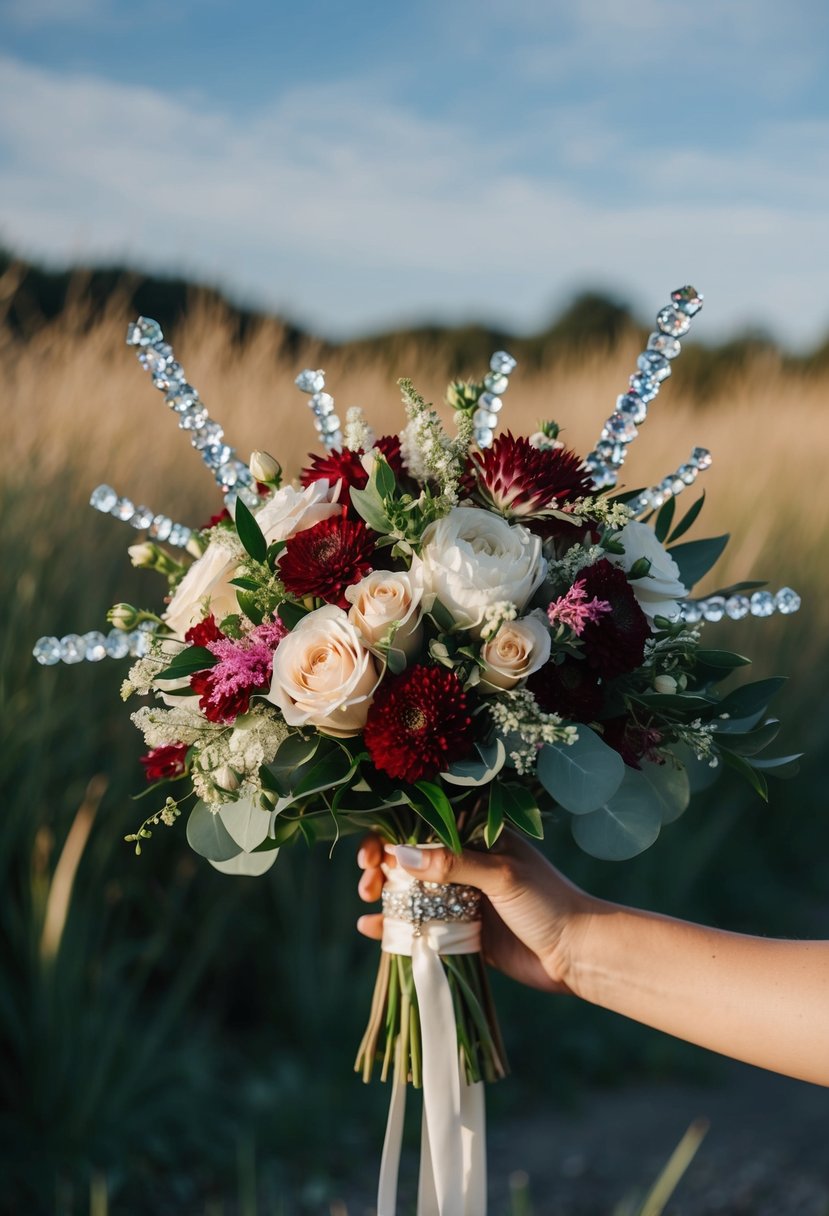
291,511
384,598
205,588
472,559
657,593
323,676
518,649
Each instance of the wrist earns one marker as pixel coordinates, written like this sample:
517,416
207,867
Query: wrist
568,963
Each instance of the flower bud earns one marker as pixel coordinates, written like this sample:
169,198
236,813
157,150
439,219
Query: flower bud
123,616
264,468
665,684
142,555
224,778
640,568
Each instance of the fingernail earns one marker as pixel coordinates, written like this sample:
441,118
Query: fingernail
411,858
361,858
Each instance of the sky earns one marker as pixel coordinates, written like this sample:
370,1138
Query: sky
358,166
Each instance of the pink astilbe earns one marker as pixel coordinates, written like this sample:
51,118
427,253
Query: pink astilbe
575,610
245,667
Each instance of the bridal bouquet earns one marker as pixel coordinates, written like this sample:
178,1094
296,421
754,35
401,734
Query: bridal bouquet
432,635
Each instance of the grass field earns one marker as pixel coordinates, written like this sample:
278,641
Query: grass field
167,1008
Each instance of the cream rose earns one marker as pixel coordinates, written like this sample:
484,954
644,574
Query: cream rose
291,511
518,649
205,588
657,593
472,559
382,599
323,676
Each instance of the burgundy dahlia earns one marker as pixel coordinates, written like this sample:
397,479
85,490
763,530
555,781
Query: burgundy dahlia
632,741
615,643
521,481
570,688
322,561
346,466
164,763
419,723
203,632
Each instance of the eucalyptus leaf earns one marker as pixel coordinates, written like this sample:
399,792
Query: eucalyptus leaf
250,865
480,768
696,557
701,776
250,534
246,822
671,788
208,836
581,776
624,826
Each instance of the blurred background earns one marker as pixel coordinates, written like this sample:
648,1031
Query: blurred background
381,192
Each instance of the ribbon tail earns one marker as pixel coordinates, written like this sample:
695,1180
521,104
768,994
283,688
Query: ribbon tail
390,1161
473,1138
427,1200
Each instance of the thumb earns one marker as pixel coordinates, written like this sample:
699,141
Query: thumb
477,869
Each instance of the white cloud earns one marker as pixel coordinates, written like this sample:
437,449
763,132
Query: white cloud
353,213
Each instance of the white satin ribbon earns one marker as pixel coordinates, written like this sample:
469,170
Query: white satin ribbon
453,1145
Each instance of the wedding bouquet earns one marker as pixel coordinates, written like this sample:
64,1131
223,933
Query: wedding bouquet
433,635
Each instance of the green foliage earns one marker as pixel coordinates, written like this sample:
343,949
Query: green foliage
582,775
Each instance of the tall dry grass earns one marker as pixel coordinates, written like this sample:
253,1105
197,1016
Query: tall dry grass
77,400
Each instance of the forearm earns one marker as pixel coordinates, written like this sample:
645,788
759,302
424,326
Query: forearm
759,1000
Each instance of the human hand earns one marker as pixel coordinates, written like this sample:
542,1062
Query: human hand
532,915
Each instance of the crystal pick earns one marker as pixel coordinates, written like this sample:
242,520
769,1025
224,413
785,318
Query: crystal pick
159,527
653,366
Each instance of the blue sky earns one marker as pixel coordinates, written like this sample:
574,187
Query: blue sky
359,165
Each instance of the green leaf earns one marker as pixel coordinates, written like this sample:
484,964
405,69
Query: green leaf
247,584
494,817
250,865
441,615
395,661
208,836
517,804
688,519
670,786
701,776
750,698
439,813
327,770
664,519
188,662
250,534
754,777
246,822
369,505
626,825
735,588
383,477
477,769
291,614
779,766
721,658
696,557
248,603
583,775
291,754
751,742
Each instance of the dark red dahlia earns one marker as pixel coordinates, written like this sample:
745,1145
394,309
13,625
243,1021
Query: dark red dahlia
346,466
223,517
419,723
203,632
164,763
615,643
570,688
632,741
521,481
322,561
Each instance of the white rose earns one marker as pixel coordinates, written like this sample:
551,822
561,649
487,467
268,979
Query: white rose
204,588
383,598
472,559
291,511
323,676
657,593
518,649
